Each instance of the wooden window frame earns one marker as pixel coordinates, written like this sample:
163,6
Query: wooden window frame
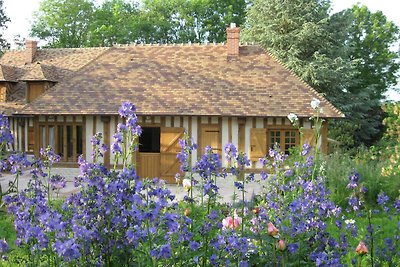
64,125
283,143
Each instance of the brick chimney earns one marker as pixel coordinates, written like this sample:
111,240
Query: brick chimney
30,50
232,42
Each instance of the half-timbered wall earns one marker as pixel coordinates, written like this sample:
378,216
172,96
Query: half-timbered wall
247,134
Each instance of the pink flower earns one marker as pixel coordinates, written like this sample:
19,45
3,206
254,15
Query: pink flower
281,245
361,248
232,223
272,230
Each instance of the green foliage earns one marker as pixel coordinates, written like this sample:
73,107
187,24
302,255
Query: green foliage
81,23
115,21
63,23
3,21
368,163
371,36
345,56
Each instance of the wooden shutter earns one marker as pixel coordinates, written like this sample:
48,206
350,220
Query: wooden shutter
169,147
308,137
211,136
258,143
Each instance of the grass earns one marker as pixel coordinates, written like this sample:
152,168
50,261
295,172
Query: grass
339,165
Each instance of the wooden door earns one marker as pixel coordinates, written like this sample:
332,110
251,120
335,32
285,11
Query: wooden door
210,136
258,143
169,148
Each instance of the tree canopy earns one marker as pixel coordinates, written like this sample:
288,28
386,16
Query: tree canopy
345,56
80,23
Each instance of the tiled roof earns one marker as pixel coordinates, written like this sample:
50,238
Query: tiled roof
41,72
182,80
9,108
48,65
9,73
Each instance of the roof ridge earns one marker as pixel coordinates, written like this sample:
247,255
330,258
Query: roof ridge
167,44
309,87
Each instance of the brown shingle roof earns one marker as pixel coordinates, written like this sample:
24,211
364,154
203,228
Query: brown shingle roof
41,72
55,65
9,73
183,80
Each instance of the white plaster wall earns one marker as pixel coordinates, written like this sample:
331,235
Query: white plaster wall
307,124
186,124
89,134
168,122
26,134
235,132
247,128
195,138
113,124
100,129
225,139
177,121
19,145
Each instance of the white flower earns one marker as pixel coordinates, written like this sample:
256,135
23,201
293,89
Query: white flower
292,117
187,184
315,103
350,221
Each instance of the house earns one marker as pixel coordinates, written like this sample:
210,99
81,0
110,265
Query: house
217,93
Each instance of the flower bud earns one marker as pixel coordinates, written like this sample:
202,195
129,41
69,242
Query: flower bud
256,211
272,230
361,248
281,245
187,212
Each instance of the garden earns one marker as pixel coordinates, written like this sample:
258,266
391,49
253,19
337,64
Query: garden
341,209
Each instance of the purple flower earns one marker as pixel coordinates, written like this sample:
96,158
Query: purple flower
306,149
382,199
396,205
126,110
6,137
3,246
230,152
57,182
164,252
293,248
193,245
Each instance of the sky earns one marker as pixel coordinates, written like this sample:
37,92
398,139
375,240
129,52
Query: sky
20,13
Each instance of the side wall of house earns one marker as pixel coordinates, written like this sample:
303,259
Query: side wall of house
213,131
203,131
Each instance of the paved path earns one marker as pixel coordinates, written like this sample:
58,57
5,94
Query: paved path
225,185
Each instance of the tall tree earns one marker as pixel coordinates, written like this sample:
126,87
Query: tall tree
3,25
115,21
183,21
372,36
319,48
63,23
370,39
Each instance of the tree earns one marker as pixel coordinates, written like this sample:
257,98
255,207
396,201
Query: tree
321,49
3,25
63,23
371,36
370,39
183,21
115,21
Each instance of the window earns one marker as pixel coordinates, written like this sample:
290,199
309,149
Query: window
67,140
149,141
284,139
